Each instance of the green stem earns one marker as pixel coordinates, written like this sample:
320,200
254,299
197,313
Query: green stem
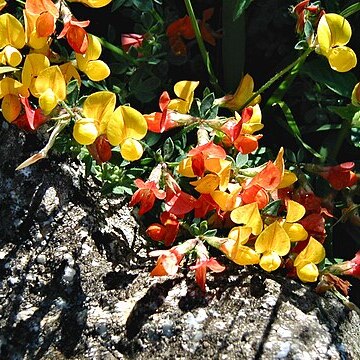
68,109
115,49
279,93
277,76
204,54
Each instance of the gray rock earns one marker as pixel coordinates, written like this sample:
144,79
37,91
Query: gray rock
83,289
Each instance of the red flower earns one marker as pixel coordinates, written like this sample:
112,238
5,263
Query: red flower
200,153
75,35
176,31
245,143
177,201
100,149
159,122
201,267
301,11
203,205
166,231
169,260
129,40
340,176
145,195
182,29
354,265
257,189
32,119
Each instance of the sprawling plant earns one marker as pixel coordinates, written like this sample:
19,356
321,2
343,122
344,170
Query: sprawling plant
193,169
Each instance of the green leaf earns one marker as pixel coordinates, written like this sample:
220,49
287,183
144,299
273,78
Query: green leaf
72,92
356,120
295,129
320,71
345,112
143,5
355,136
350,10
116,4
6,69
240,7
206,104
241,159
272,208
168,148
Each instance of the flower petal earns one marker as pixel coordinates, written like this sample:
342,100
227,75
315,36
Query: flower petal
131,149
51,78
342,58
295,211
85,131
273,239
248,215
12,31
97,70
100,106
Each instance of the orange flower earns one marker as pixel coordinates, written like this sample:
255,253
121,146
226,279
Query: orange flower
201,267
75,35
159,122
239,130
182,29
268,179
47,15
145,195
200,153
166,231
169,260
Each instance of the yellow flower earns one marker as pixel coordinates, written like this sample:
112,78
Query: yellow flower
355,95
10,55
12,32
97,110
306,261
10,89
287,177
125,127
69,71
254,123
12,38
93,3
88,63
295,212
273,243
184,90
243,92
248,215
235,249
333,33
3,3
228,201
33,65
50,88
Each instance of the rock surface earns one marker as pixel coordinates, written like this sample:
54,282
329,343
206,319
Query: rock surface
76,285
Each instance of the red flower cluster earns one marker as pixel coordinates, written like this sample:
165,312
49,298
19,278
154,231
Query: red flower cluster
182,29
